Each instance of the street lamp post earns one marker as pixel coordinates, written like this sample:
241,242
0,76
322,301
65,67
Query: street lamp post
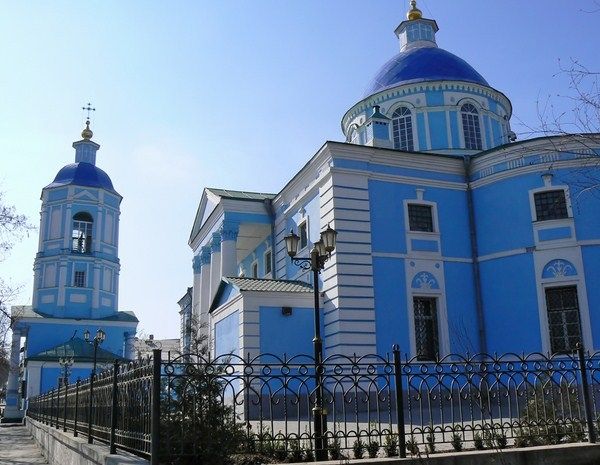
320,253
98,339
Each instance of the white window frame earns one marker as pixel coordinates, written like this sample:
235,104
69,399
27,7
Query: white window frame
75,278
305,223
479,118
252,268
422,235
270,262
549,188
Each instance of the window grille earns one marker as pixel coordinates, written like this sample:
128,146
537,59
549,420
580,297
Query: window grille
420,218
426,328
79,279
563,318
402,129
551,205
471,129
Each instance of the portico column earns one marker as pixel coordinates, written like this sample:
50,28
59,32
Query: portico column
205,260
229,234
12,410
197,267
215,266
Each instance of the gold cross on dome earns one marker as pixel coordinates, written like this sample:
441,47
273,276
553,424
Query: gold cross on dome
88,109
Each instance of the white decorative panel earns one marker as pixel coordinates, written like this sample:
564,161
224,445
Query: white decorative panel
50,275
47,299
55,223
78,298
108,227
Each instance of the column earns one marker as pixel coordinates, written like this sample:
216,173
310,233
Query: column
229,234
215,267
197,267
12,410
205,260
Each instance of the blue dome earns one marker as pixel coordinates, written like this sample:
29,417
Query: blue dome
423,64
83,174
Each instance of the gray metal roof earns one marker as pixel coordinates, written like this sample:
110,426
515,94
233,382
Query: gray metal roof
240,195
269,285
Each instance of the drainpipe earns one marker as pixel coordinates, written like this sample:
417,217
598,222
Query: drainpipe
271,212
474,256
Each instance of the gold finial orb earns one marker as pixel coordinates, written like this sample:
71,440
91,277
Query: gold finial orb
414,12
87,132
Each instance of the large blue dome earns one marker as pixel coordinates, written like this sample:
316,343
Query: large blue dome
423,64
83,174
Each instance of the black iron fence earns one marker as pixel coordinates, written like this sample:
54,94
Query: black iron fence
174,411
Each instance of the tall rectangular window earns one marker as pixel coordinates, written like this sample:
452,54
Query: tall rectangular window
426,328
79,279
563,318
268,262
303,233
420,217
255,270
551,205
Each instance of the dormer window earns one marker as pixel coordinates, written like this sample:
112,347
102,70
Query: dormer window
82,233
471,129
402,129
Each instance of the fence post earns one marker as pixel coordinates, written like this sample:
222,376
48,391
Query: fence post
66,404
587,403
57,425
76,408
155,426
52,408
113,408
399,401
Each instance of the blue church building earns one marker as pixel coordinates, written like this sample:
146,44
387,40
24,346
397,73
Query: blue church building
452,236
76,283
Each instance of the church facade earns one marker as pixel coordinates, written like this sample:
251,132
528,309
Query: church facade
76,283
452,236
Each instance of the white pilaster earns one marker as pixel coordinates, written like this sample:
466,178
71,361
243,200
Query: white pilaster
205,259
12,410
229,234
215,267
197,267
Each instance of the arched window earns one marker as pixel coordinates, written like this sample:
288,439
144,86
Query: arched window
402,129
471,130
82,233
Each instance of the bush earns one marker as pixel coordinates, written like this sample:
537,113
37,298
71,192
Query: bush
478,441
359,449
430,438
391,446
373,449
335,449
457,442
412,446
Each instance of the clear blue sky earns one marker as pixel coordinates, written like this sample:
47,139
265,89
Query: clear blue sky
233,94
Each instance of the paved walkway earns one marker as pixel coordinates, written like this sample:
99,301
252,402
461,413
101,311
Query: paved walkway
17,447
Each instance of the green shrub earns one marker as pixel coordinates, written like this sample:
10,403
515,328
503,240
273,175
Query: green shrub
430,447
391,446
478,441
373,449
412,446
457,442
335,449
359,449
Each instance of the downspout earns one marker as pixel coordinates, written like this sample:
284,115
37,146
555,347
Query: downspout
271,212
474,257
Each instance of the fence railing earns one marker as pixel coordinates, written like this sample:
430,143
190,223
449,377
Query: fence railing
170,410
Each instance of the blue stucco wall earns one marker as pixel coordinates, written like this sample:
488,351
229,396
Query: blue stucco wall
509,295
290,335
227,335
461,308
591,262
391,315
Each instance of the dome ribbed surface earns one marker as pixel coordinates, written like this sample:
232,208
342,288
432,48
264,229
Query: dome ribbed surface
423,64
82,174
